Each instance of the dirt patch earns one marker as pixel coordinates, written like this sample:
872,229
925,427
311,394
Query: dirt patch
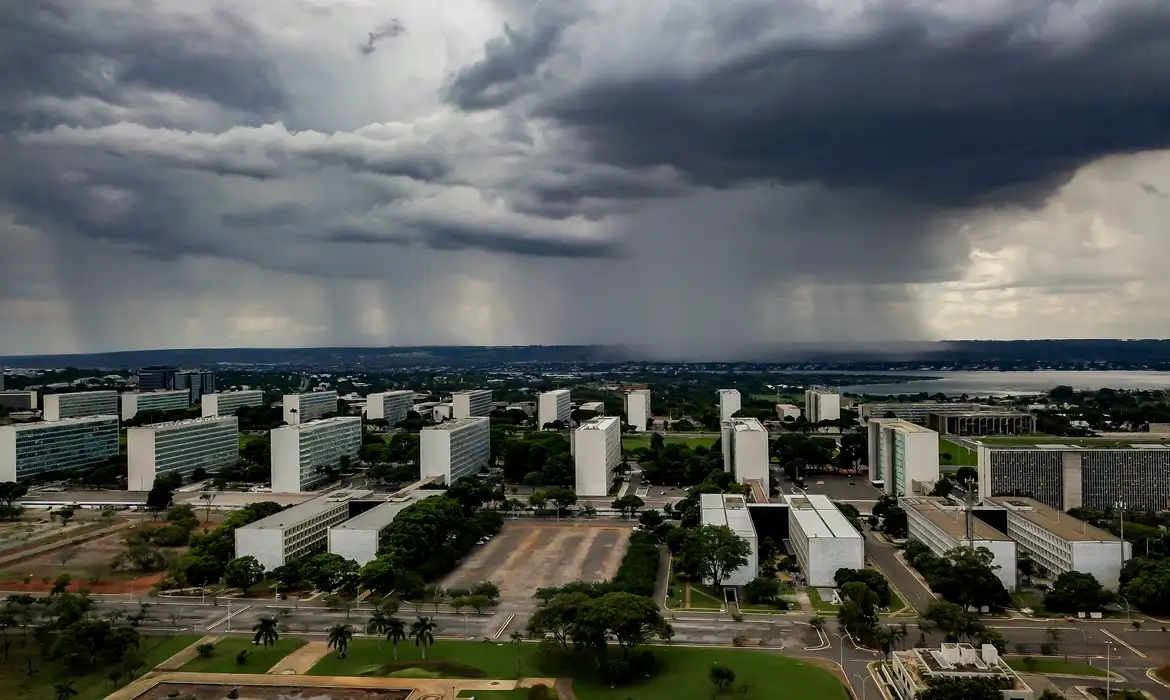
218,692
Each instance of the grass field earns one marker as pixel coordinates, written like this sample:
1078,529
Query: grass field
259,660
245,439
821,606
959,456
518,694
1058,666
633,443
496,660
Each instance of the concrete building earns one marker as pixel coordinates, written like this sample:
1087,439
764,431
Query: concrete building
295,532
1058,542
982,423
597,407
35,450
731,510
553,406
784,411
459,447
1067,476
180,447
225,403
1,377
911,672
902,453
823,539
822,404
360,539
135,402
302,408
729,403
301,452
79,404
943,525
915,412
596,445
638,409
390,406
471,404
745,451
18,400
156,378
197,383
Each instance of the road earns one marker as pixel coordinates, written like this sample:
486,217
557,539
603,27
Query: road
888,559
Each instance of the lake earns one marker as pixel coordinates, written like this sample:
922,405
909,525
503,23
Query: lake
1010,383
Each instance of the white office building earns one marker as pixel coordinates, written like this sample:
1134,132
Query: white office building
302,408
301,452
295,532
35,450
943,525
638,409
79,405
459,447
225,403
553,406
823,539
786,411
910,673
1058,542
597,407
745,451
901,454
471,404
18,400
360,538
822,404
915,412
180,447
729,403
134,402
597,448
731,510
390,406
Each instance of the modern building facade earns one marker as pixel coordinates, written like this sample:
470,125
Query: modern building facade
135,402
302,408
35,450
943,525
745,451
638,409
911,672
360,538
982,423
459,447
597,449
79,404
822,404
471,404
390,406
597,407
198,383
915,412
156,378
295,532
902,453
731,510
555,405
180,447
18,400
823,539
301,452
226,403
786,411
729,402
1058,542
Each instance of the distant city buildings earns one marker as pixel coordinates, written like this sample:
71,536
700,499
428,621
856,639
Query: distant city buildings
597,449
156,378
554,406
225,403
197,383
302,452
902,453
135,402
470,404
729,403
302,408
638,409
453,449
823,539
390,406
745,451
79,404
982,423
180,447
36,450
914,412
822,404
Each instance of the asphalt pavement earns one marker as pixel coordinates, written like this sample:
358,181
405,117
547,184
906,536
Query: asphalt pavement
888,560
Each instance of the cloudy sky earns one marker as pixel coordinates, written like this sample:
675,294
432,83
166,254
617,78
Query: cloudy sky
681,175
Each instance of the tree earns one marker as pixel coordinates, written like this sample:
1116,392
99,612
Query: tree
952,688
339,636
953,620
65,690
651,519
478,602
183,516
516,638
557,616
65,515
628,503
200,571
11,492
538,500
629,618
1074,591
858,612
718,551
243,573
870,577
562,499
207,497
266,631
942,488
722,678
331,572
423,631
395,633
162,493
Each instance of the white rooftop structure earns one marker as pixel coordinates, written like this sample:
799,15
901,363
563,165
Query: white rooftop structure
731,510
823,539
360,538
297,531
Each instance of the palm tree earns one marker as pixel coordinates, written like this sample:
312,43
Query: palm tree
339,636
266,631
395,632
423,633
65,690
517,638
377,625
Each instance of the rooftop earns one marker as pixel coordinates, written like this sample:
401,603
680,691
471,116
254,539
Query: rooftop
458,423
727,509
952,519
749,424
598,423
380,516
900,424
957,660
729,391
321,423
997,413
823,390
164,392
471,391
1061,442
818,517
556,392
306,510
1057,522
62,422
313,394
186,422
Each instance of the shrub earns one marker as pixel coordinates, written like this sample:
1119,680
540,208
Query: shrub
442,667
242,657
205,651
638,572
541,692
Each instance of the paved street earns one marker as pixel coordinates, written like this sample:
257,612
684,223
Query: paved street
888,559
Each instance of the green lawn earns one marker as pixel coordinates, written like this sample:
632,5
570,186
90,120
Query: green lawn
518,694
259,660
496,659
1041,665
959,456
245,439
821,606
896,603
633,443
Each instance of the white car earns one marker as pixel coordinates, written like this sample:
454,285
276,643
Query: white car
820,483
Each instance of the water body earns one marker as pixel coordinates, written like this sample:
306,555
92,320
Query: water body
1010,383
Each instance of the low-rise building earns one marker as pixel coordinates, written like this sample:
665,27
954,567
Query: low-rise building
295,532
902,453
552,406
745,451
982,423
302,408
822,404
471,404
596,445
79,404
34,450
915,412
18,400
911,672
597,407
638,409
943,525
135,402
823,539
785,411
390,406
459,447
225,403
180,447
361,538
731,510
301,452
729,402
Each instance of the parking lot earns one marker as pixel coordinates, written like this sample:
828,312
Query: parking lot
837,488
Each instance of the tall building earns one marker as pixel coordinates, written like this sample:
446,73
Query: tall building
915,412
730,510
180,447
295,532
79,404
135,402
156,378
982,423
390,406
226,403
553,406
902,453
301,408
942,526
469,404
18,400
729,403
745,451
301,452
360,539
457,448
197,383
35,450
823,538
638,409
597,449
821,404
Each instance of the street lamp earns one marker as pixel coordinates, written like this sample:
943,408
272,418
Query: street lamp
1108,668
863,679
841,650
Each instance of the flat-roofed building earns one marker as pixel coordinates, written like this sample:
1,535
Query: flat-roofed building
458,447
197,383
982,423
390,406
785,411
360,538
555,405
135,402
910,673
596,445
471,404
297,531
745,451
225,403
301,452
913,411
79,404
18,400
597,407
638,409
822,404
823,539
902,453
180,447
1058,542
943,525
729,402
35,450
302,408
731,510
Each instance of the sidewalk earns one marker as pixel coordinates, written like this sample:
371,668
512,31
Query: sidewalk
300,661
176,662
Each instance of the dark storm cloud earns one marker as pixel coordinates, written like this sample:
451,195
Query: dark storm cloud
388,30
457,236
